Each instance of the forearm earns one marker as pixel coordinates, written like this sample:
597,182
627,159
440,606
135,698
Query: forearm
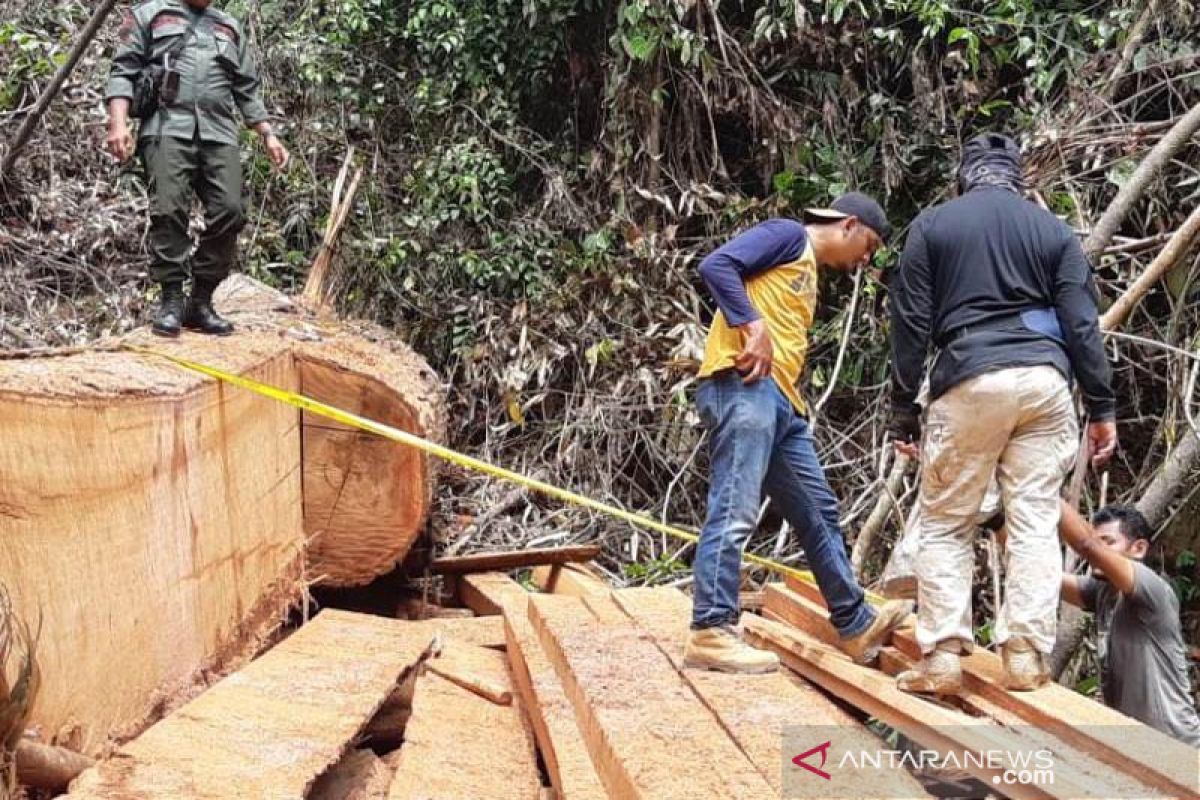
118,110
1082,538
725,284
263,129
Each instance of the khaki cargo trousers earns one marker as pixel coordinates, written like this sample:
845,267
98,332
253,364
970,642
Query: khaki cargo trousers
1018,424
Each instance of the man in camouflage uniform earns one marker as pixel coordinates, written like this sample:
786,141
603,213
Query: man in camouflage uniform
190,145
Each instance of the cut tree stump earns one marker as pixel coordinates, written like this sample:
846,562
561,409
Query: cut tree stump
153,522
272,728
648,734
459,746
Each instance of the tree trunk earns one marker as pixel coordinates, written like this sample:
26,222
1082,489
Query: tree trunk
157,522
51,91
1137,184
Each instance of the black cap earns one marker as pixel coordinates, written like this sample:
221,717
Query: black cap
853,204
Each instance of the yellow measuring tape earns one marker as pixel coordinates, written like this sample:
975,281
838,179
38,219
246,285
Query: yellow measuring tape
454,457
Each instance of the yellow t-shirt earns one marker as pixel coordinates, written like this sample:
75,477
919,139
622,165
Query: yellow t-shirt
785,296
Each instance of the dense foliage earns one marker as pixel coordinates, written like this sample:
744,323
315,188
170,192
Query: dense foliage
544,174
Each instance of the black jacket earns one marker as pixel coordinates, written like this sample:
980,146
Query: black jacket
970,267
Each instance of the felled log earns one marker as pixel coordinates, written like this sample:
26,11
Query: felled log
155,523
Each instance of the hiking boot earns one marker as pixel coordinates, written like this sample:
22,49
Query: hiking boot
721,650
200,315
1024,667
864,648
937,673
170,311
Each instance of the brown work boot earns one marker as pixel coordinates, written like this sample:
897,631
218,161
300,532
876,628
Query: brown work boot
864,647
721,649
938,672
1024,667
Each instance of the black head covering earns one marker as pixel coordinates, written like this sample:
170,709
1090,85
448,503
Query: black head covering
991,159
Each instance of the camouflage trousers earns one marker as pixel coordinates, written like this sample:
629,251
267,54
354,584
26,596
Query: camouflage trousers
1019,425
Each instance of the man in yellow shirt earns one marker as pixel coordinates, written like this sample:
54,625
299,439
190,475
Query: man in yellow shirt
765,284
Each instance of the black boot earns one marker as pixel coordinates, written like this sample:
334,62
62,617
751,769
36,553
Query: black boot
200,315
170,310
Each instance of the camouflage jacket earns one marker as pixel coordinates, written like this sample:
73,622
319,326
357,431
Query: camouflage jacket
218,77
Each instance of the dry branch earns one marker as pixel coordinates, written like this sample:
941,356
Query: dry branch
1177,247
317,287
51,91
1137,184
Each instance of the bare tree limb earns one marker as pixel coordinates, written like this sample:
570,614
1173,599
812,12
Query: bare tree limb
1174,251
1137,184
56,83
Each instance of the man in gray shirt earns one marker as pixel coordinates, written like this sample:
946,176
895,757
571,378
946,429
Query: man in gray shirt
1144,669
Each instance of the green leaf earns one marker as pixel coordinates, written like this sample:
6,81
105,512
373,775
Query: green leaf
639,47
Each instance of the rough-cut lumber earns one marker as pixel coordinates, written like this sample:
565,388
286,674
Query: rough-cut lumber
1077,772
932,725
479,631
559,739
476,669
648,734
359,775
155,521
575,580
459,746
272,728
513,559
487,593
757,709
1120,742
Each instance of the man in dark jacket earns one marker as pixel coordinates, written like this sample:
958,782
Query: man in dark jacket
190,144
1002,288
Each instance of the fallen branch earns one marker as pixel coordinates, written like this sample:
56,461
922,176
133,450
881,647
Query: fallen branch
42,766
869,532
56,83
1170,256
1136,186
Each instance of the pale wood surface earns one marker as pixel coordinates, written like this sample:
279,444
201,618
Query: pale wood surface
270,729
647,733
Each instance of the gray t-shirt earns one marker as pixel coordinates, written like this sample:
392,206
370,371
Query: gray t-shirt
1144,670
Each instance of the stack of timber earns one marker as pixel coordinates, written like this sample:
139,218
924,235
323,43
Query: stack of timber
580,693
156,525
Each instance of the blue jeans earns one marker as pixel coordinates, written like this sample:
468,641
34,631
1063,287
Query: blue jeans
759,443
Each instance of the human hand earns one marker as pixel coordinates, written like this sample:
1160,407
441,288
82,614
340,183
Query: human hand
757,354
904,429
1102,441
120,139
276,151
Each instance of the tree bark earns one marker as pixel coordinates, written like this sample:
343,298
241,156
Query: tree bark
1167,259
1164,489
1137,184
869,533
56,83
42,766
